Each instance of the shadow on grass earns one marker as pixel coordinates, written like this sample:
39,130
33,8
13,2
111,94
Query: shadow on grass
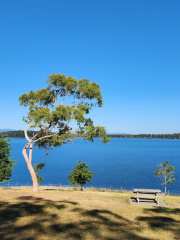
166,219
57,190
32,218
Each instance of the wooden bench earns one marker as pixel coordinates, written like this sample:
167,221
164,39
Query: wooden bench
147,194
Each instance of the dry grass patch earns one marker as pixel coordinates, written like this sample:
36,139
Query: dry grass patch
54,213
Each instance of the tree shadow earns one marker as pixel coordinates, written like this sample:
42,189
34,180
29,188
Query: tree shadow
97,220
166,219
33,218
58,190
175,211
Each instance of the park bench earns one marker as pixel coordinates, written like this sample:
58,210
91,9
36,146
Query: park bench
147,194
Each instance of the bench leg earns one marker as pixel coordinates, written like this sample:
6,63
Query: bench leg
137,200
157,200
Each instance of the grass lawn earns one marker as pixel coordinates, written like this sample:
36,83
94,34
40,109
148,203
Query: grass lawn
54,213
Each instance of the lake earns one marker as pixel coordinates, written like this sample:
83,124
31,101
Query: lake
120,164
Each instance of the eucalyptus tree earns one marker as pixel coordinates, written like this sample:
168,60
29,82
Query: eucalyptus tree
165,173
54,119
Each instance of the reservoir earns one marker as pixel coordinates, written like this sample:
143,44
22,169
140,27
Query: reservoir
120,164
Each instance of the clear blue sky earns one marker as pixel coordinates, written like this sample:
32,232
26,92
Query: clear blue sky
131,48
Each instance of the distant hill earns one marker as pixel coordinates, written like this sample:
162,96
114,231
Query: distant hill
6,130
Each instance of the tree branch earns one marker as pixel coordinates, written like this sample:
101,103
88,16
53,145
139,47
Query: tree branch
30,152
47,136
25,132
64,98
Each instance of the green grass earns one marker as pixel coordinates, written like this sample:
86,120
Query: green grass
54,213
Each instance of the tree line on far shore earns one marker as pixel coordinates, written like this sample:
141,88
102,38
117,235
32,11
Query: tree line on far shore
148,136
20,134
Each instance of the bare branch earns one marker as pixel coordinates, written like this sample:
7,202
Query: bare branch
25,155
30,152
64,99
57,98
72,123
25,132
44,131
45,137
75,102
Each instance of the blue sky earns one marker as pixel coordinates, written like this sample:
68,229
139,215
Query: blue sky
131,48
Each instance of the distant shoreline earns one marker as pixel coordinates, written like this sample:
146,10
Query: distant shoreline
118,137
20,134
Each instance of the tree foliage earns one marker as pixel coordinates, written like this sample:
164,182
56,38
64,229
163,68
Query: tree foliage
6,164
37,168
165,173
80,175
47,112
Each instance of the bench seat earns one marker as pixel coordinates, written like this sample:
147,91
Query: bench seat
142,193
155,198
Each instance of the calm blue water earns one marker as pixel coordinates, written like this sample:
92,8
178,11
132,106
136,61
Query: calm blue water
126,163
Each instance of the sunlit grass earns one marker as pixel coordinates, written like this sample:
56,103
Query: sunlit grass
63,213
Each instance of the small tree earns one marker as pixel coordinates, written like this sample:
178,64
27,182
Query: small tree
37,168
80,175
6,164
165,173
54,120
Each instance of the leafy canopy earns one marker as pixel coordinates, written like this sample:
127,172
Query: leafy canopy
6,164
165,173
80,174
54,119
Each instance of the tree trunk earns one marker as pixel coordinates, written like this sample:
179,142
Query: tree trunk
29,159
165,190
81,187
33,176
30,167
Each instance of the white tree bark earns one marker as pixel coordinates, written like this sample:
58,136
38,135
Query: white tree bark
29,160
